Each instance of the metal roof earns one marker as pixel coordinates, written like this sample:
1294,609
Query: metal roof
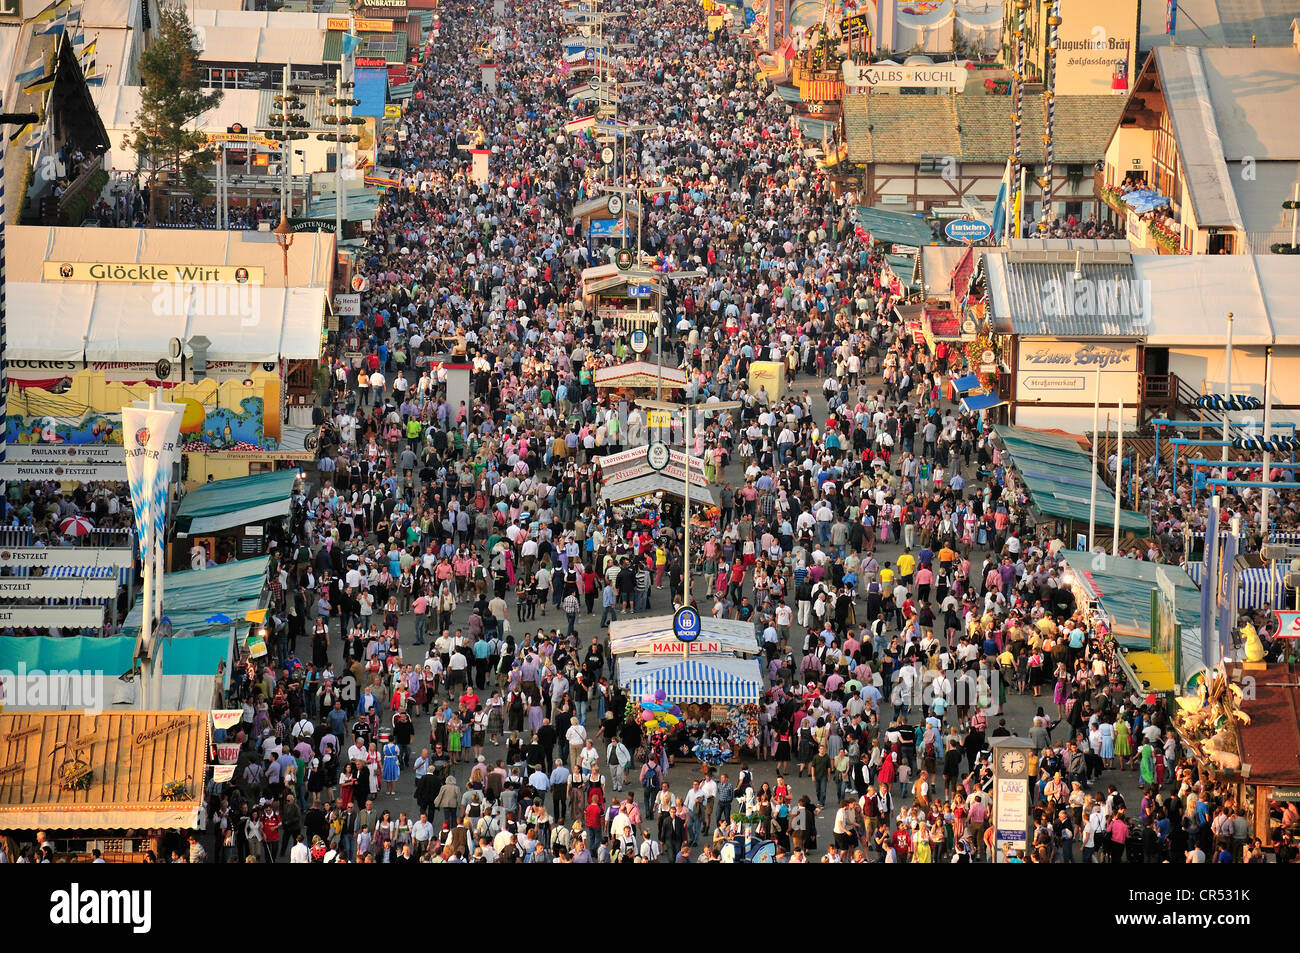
1041,296
1186,92
391,46
1057,473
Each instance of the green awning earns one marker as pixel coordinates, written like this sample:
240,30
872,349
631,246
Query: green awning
200,655
229,503
1124,590
193,597
401,91
362,205
902,228
79,653
810,127
904,267
789,94
1057,473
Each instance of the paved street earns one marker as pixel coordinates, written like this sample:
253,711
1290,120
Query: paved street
1019,709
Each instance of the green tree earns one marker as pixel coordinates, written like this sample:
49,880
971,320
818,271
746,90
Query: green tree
171,98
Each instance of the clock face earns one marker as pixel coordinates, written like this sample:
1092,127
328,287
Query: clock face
1012,762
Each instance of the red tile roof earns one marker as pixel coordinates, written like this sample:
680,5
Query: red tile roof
1270,744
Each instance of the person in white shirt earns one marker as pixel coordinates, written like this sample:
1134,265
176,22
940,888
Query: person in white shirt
299,853
576,737
588,757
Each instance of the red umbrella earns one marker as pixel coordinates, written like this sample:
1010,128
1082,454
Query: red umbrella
76,526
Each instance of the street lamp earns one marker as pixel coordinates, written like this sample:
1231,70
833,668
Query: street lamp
284,238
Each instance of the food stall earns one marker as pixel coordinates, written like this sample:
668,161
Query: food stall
123,782
1242,726
717,681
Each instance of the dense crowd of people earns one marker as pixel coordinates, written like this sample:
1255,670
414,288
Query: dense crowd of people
441,610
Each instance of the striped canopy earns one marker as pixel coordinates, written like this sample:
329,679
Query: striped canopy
694,681
1252,586
80,572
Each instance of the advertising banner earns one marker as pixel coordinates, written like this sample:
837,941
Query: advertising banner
46,588
1209,573
144,434
44,617
74,556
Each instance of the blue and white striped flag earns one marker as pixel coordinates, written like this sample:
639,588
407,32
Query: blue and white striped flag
35,71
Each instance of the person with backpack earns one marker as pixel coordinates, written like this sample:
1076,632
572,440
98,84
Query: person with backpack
650,784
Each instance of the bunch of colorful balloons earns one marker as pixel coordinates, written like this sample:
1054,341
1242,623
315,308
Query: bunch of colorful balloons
656,714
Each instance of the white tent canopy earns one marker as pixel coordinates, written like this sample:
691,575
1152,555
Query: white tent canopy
123,322
1192,295
639,636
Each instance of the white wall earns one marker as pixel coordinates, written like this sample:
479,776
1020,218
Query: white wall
1069,419
1198,365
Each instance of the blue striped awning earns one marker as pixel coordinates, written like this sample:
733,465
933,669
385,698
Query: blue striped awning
80,572
1252,586
695,681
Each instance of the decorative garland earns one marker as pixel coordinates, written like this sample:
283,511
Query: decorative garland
975,349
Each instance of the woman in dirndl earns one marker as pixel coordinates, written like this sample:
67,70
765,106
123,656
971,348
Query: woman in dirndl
392,769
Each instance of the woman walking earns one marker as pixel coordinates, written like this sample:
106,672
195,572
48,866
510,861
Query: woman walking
392,768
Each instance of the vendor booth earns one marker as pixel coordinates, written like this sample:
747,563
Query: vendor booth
712,680
1151,609
715,684
1242,727
122,782
232,517
199,600
1056,472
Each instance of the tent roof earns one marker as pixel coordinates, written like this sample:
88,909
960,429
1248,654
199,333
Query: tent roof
903,228
627,636
654,483
1056,472
635,373
1123,587
74,654
311,260
196,655
1192,293
116,322
195,595
243,500
131,755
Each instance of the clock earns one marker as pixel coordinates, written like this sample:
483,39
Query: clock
1012,763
